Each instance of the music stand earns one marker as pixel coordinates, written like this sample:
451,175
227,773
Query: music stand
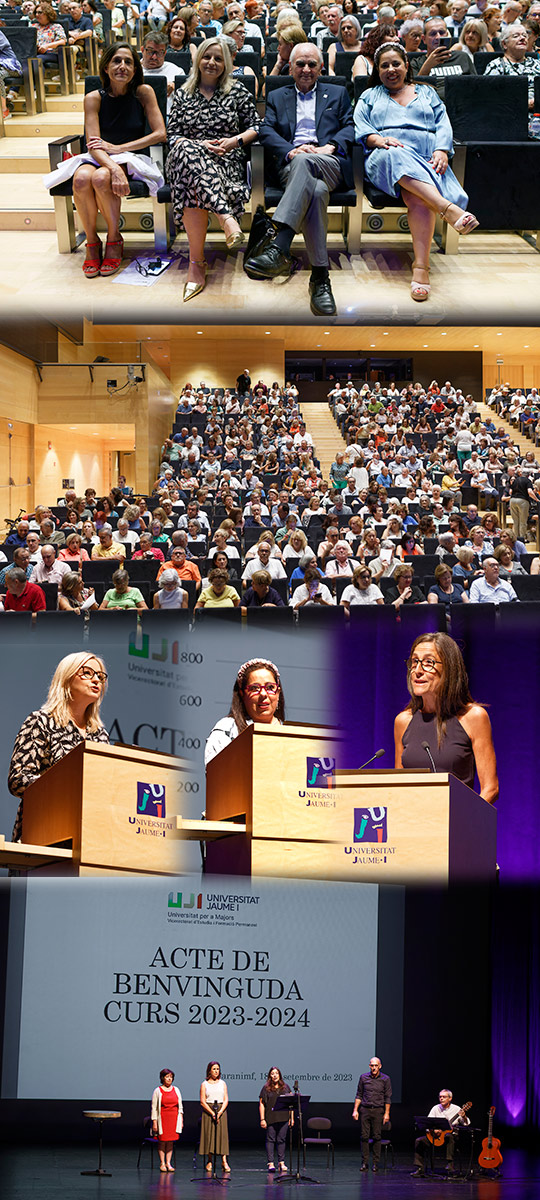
429,1125
296,1103
471,1131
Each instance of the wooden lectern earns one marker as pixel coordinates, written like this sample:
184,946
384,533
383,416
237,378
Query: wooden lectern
310,821
115,808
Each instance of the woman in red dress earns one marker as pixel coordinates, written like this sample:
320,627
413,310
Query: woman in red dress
167,1117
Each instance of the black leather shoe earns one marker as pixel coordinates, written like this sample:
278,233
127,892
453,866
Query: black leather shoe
269,263
374,1167
322,302
364,1167
419,1174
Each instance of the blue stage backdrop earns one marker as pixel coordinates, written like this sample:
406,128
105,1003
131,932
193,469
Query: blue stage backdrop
504,672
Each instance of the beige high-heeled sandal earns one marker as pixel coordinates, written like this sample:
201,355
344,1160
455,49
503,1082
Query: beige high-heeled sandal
464,224
420,291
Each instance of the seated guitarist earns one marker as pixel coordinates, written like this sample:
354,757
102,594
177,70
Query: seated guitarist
422,1146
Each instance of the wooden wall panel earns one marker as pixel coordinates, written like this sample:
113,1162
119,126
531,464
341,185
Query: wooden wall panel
16,468
161,408
57,457
220,362
18,387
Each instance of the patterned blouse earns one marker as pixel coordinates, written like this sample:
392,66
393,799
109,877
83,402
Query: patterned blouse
47,35
224,115
39,744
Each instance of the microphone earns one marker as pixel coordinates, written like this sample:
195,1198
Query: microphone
295,1085
379,754
430,756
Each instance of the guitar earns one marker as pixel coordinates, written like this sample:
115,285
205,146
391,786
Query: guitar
437,1138
490,1155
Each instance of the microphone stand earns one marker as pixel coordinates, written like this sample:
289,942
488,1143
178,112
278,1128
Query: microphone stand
213,1178
378,754
425,746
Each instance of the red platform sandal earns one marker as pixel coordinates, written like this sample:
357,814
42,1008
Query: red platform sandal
112,263
92,265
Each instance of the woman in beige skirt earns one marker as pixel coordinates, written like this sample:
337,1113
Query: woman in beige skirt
214,1089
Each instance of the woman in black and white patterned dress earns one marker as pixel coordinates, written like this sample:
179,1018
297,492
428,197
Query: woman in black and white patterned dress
212,118
69,716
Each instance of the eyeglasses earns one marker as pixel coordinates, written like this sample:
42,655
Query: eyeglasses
89,673
426,664
255,689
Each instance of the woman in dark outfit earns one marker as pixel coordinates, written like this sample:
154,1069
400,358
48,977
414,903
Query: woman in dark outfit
443,714
275,1123
115,121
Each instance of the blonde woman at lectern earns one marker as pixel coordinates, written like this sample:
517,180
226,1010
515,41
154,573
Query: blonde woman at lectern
69,715
257,697
442,726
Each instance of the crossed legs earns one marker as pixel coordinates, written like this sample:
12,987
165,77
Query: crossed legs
424,202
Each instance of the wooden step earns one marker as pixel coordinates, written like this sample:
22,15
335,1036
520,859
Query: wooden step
19,156
64,104
44,125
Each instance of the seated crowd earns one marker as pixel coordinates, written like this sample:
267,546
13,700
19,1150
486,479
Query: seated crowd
240,515
418,467
229,54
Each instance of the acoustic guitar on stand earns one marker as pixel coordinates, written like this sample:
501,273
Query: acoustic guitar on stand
490,1155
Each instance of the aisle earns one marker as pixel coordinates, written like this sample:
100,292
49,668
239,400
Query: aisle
325,433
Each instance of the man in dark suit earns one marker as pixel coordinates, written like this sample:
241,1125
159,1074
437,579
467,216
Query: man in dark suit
309,128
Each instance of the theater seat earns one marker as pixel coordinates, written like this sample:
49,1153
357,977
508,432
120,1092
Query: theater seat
496,161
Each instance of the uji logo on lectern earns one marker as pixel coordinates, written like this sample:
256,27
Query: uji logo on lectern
320,772
370,825
151,800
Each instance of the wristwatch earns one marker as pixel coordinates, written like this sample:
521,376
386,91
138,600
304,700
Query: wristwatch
240,141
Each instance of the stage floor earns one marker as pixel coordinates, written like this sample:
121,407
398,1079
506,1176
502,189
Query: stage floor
46,1173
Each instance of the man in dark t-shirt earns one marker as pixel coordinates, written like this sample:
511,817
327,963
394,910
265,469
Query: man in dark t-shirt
261,592
80,27
439,62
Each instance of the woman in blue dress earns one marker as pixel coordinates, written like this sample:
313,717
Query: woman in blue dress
408,139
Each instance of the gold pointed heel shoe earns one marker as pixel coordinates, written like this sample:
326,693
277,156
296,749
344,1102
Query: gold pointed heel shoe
193,289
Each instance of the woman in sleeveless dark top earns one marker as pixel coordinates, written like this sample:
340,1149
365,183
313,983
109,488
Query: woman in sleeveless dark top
443,715
115,120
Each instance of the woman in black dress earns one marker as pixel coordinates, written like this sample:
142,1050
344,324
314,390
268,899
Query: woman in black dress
212,118
275,1123
115,121
443,715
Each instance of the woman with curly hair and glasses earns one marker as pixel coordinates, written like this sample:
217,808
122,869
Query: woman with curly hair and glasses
443,716
69,715
257,697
